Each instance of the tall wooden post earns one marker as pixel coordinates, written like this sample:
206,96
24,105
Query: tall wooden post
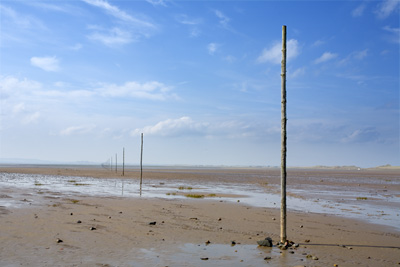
283,139
141,161
123,161
116,165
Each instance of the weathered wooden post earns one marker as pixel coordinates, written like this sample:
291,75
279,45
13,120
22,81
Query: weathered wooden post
116,165
283,139
123,161
141,161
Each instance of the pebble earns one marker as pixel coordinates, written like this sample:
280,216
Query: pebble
267,258
79,221
58,240
233,243
267,242
315,258
92,228
152,223
208,242
72,214
204,259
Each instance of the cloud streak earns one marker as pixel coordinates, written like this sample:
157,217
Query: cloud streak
325,57
273,54
46,63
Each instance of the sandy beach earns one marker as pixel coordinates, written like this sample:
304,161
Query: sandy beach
48,226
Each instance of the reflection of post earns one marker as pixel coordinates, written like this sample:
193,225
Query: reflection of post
141,162
283,139
123,161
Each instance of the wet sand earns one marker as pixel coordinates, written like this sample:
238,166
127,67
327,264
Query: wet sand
124,237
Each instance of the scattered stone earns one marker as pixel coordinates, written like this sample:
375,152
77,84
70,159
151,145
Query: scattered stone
194,218
204,259
335,265
219,219
301,226
208,242
291,252
267,258
274,219
238,200
58,240
267,242
233,243
315,258
296,245
307,240
309,256
349,247
120,212
152,223
79,221
72,214
109,217
92,228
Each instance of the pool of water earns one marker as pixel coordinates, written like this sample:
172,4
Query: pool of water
373,206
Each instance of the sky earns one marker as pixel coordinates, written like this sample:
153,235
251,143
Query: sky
81,80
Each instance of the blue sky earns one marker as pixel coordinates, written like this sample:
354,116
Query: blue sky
80,80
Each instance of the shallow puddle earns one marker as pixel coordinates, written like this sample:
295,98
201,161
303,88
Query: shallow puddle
376,207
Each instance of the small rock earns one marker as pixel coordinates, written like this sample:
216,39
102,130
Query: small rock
92,228
79,221
238,200
267,242
267,258
273,219
109,217
204,259
233,243
291,252
208,242
58,240
72,214
219,219
296,245
152,223
349,247
301,226
307,240
315,258
335,265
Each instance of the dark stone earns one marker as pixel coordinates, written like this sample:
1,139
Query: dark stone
152,223
267,258
204,259
79,221
267,242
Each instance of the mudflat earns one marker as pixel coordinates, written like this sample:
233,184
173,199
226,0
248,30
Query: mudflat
52,227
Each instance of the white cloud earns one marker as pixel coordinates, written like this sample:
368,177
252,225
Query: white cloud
11,86
46,63
119,14
149,90
173,127
31,118
223,20
318,43
157,2
369,134
298,72
386,8
212,48
395,37
76,47
77,130
274,53
112,37
20,20
325,57
358,11
185,19
361,54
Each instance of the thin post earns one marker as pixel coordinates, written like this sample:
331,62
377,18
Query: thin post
141,161
123,161
116,165
283,139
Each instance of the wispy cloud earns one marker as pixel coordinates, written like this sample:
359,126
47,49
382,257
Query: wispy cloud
212,48
185,19
364,135
357,55
148,90
20,20
223,19
46,63
297,72
112,37
358,11
386,8
273,54
73,130
129,29
395,34
157,2
325,57
173,127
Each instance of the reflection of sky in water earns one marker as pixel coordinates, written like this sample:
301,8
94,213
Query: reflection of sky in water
319,199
